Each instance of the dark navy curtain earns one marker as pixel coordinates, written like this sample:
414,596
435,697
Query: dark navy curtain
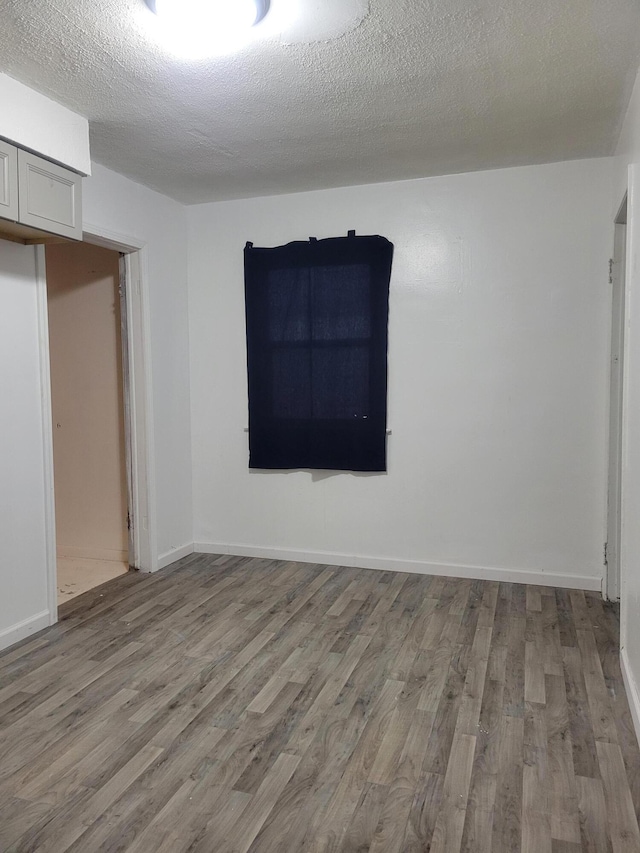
317,318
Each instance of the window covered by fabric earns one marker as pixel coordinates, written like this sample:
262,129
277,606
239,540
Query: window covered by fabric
317,318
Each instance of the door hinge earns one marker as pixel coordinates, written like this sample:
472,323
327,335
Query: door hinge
610,270
128,521
606,555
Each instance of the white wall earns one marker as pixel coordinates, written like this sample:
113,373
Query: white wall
34,121
116,207
498,384
628,155
23,576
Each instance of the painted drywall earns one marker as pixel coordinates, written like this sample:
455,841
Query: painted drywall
117,208
498,379
33,121
627,177
23,575
85,347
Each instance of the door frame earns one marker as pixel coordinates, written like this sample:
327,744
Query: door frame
138,404
617,279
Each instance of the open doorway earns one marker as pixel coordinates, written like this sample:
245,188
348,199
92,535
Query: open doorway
614,508
89,418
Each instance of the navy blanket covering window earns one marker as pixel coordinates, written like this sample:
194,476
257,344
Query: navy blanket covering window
317,318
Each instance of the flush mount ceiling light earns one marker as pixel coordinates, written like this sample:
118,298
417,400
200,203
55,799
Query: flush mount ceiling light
198,28
221,13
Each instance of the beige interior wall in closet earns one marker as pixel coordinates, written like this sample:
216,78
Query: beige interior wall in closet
88,413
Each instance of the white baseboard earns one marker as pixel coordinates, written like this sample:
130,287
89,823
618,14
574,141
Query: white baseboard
633,695
411,566
175,554
24,629
108,554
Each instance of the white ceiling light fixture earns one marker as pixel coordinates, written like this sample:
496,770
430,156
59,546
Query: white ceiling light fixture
198,28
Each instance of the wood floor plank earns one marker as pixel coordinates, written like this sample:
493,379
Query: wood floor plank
507,827
534,673
405,782
446,715
593,816
423,814
263,802
350,787
362,828
447,833
551,639
228,811
621,816
15,815
602,719
240,705
475,679
103,799
515,665
328,695
536,803
585,759
565,825
536,823
478,828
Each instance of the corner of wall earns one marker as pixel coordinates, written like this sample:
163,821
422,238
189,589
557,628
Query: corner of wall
633,694
174,555
22,630
392,564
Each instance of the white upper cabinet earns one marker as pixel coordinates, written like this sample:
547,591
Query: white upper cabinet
50,197
39,200
8,180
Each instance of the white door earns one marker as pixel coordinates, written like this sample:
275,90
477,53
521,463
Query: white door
617,279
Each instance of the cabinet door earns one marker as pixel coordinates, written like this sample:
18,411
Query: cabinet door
8,181
50,196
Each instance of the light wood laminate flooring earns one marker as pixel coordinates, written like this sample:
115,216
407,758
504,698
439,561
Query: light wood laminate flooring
76,575
233,705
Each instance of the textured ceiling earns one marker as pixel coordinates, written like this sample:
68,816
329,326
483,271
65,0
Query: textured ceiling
387,89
